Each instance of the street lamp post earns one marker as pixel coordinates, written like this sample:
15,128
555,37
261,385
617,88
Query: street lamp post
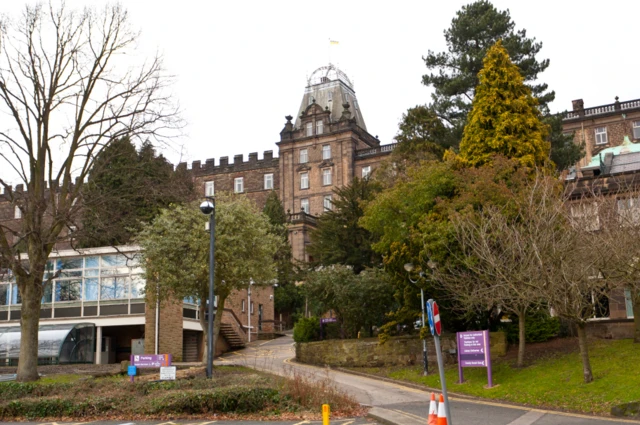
208,208
425,362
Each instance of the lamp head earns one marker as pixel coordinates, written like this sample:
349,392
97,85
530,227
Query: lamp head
207,207
409,267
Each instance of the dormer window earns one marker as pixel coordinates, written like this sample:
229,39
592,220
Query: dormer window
309,129
319,127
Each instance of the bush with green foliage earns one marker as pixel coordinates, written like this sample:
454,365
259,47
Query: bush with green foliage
539,327
306,329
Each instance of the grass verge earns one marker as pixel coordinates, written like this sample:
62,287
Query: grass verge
235,392
554,381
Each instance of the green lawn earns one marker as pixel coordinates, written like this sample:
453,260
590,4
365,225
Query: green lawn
554,382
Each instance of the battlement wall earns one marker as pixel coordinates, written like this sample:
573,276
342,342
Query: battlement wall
238,165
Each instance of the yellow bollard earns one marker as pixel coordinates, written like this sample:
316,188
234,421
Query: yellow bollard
325,414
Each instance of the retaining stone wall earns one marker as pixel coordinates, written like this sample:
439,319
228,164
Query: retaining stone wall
397,351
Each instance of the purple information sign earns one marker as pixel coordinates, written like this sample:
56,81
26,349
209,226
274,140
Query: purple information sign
474,351
147,361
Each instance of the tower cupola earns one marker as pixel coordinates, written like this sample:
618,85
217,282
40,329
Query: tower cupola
330,88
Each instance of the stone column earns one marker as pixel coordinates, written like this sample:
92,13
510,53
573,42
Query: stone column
98,345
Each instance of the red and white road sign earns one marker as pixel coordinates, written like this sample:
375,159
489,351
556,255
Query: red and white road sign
436,318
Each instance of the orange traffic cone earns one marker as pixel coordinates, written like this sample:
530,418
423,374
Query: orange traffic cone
433,411
442,416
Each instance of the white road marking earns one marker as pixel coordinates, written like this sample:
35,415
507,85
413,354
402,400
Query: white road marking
528,418
303,422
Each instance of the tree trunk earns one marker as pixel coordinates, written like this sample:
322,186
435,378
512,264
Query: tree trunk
205,326
521,338
217,321
636,318
31,294
584,353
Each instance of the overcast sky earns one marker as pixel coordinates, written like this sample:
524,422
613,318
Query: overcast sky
241,66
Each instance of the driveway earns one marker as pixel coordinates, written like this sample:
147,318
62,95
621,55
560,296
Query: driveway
399,404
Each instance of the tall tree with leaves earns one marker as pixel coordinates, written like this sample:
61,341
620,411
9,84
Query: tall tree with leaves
175,252
287,295
505,119
454,73
126,189
65,96
339,238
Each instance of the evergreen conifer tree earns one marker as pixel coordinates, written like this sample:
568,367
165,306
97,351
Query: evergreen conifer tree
504,118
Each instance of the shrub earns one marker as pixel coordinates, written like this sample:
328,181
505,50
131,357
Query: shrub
539,327
306,329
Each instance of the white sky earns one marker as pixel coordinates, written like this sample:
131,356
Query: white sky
242,65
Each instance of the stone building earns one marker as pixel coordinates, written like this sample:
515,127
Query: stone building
324,148
601,127
610,168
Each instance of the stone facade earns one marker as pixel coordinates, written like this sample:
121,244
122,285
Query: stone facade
368,352
615,120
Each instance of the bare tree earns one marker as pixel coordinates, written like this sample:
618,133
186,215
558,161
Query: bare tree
617,237
66,91
503,252
576,272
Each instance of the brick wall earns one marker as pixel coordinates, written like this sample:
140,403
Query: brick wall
260,295
170,335
368,352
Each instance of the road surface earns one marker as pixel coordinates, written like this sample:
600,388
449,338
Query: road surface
408,406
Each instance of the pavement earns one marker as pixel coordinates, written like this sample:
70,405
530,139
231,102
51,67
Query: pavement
396,404
355,421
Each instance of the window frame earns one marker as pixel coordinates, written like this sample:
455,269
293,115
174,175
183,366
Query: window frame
305,202
309,129
209,184
635,127
327,206
237,180
268,177
244,306
303,153
17,213
364,174
326,152
319,127
327,172
601,135
304,181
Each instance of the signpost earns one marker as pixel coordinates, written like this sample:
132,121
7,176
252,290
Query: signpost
474,351
436,329
149,361
326,320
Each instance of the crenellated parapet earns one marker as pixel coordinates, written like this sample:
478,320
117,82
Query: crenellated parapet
238,165
10,192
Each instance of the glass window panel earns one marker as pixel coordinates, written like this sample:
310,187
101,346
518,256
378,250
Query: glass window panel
91,272
75,273
16,298
68,290
114,288
111,272
47,295
137,286
69,263
4,294
91,289
113,260
91,262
